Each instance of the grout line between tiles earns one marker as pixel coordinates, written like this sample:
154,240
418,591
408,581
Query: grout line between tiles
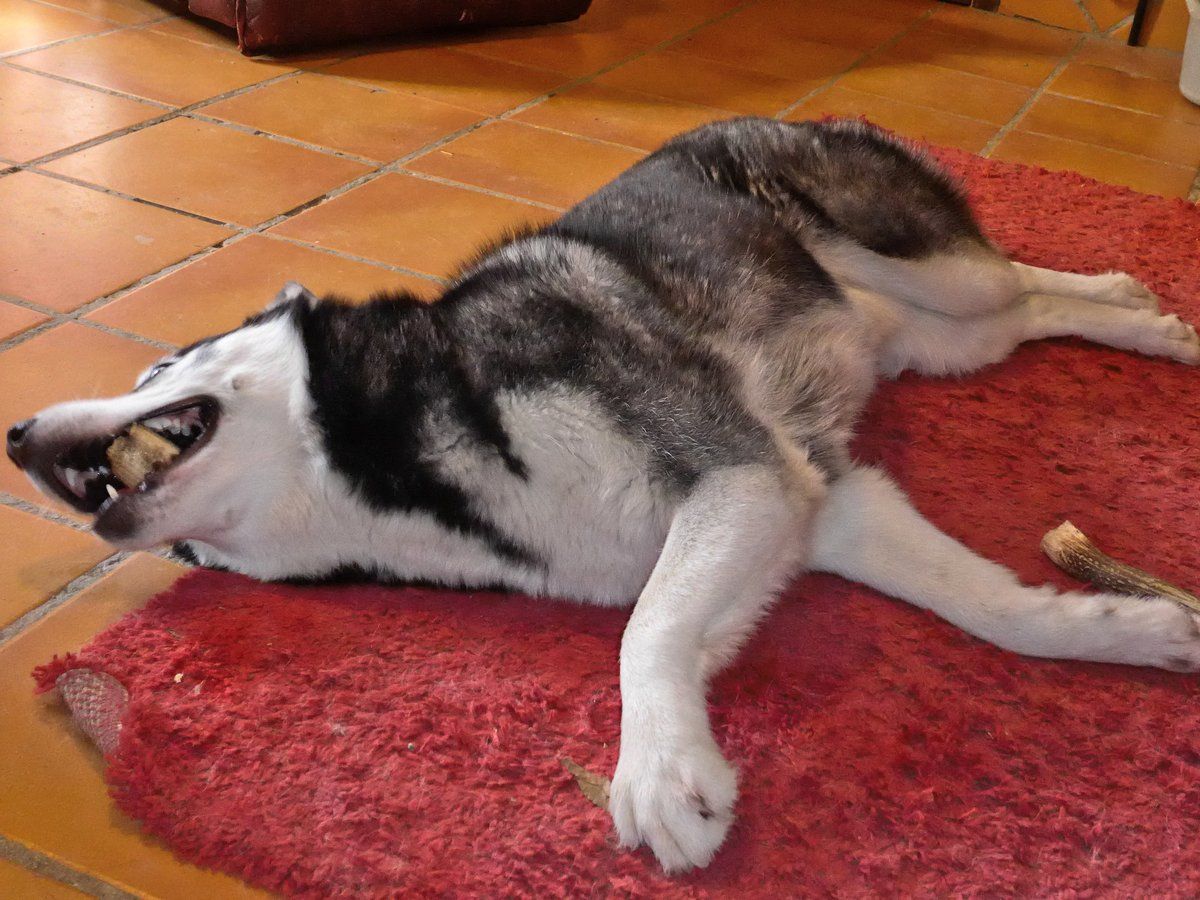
63,596
1041,89
396,166
280,138
170,112
833,79
603,142
352,257
116,26
70,40
56,870
1087,14
74,82
478,189
28,304
29,333
95,17
241,232
13,502
132,198
1119,25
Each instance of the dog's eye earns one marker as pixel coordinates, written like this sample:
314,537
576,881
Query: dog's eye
150,374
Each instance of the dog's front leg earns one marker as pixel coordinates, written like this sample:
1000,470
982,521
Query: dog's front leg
733,541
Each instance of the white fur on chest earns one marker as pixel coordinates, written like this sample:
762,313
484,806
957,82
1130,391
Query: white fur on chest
587,507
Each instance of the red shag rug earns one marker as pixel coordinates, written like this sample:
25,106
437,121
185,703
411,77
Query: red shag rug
366,741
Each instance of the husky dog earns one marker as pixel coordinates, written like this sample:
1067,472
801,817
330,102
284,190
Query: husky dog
649,400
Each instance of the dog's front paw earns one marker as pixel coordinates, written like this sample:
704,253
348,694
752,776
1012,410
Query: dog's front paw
678,800
1157,335
1160,633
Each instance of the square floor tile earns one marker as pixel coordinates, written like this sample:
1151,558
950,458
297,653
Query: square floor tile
570,49
77,244
483,85
1137,172
1113,87
125,12
155,66
18,882
680,76
53,797
986,44
29,24
1158,138
80,114
67,362
210,170
408,221
1145,61
962,93
625,117
38,558
526,162
918,122
218,292
354,118
16,319
826,21
606,33
771,53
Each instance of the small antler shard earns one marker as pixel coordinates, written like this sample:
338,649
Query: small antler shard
1070,550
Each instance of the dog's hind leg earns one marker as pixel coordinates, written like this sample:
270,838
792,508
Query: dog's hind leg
1140,329
868,531
976,281
1111,288
936,344
734,539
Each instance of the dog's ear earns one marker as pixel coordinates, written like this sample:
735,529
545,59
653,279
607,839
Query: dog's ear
293,292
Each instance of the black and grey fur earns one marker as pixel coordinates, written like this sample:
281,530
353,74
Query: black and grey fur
650,399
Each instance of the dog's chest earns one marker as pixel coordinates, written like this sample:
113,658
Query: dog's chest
587,504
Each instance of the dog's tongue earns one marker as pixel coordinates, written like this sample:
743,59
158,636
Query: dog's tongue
137,453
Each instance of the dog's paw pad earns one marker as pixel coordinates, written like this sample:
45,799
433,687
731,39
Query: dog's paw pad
681,805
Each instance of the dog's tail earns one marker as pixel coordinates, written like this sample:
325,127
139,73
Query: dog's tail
868,531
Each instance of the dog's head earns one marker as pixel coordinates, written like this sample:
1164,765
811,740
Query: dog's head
232,406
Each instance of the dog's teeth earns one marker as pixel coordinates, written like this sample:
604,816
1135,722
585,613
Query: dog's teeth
158,423
112,491
75,481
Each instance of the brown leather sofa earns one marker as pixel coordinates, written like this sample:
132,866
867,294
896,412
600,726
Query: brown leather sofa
278,24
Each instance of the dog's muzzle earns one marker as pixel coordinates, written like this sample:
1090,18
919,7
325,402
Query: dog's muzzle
74,464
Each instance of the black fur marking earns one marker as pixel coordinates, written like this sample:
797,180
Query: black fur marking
355,574
376,372
185,553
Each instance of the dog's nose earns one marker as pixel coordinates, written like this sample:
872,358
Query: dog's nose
16,440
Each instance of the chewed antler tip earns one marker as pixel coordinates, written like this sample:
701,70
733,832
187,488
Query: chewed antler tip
1072,551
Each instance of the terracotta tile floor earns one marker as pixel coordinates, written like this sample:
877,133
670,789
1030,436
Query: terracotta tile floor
158,186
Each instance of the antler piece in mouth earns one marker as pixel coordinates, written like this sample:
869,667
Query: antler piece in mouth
1070,550
139,452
